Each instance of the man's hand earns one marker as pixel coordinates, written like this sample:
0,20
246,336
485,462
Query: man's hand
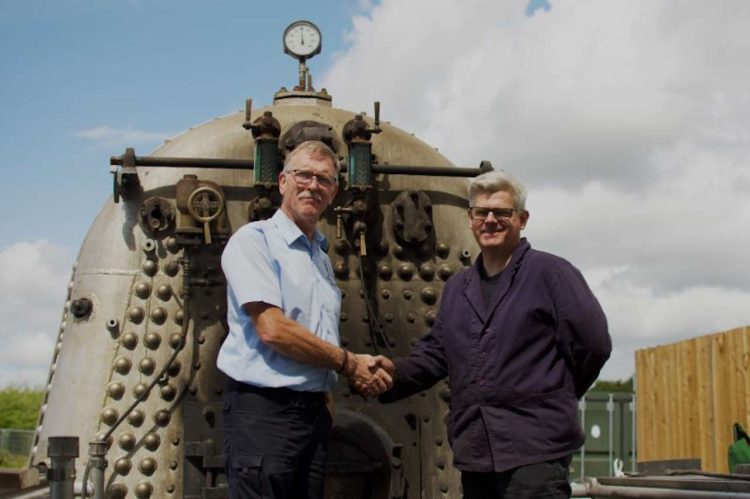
373,375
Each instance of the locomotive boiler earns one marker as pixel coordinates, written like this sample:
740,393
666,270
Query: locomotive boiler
134,375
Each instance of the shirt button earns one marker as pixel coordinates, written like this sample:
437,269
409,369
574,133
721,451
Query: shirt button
482,355
481,382
486,331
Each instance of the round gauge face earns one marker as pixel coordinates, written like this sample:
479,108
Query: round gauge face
302,39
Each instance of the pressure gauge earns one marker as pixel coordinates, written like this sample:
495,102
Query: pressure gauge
302,40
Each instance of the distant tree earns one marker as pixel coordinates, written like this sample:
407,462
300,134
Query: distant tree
19,407
619,385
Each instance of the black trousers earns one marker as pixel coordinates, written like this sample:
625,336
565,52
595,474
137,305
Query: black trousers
550,480
275,442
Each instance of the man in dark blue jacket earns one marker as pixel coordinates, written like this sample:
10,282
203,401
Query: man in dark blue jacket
521,337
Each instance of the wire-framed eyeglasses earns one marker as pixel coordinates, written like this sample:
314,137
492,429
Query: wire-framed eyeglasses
305,178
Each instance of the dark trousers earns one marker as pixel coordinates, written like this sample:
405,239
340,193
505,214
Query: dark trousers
548,480
275,442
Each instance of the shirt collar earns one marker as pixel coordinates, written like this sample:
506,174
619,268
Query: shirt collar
291,232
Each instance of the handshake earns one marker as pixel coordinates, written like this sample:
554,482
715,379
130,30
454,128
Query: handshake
370,375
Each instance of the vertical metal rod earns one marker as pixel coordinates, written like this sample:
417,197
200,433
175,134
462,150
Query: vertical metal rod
97,463
611,412
632,429
582,408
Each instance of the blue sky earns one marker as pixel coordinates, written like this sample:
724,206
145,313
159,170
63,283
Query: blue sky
628,121
157,67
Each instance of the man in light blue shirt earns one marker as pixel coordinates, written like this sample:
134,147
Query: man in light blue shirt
282,352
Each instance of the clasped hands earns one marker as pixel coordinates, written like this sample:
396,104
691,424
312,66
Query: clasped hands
372,375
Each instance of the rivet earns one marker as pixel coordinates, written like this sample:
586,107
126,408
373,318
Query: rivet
116,390
343,317
388,317
193,389
122,365
175,440
429,318
175,339
143,490
136,314
161,417
170,489
129,340
164,292
383,247
172,245
429,295
411,316
407,294
445,394
122,466
439,442
147,365
398,252
167,392
142,289
205,315
341,269
151,441
465,255
178,316
171,268
197,364
136,418
385,294
427,271
108,416
174,369
365,318
152,340
443,250
173,465
414,341
361,292
126,441
426,419
444,271
201,339
158,315
405,271
385,271
139,390
117,490
150,267
147,466
444,487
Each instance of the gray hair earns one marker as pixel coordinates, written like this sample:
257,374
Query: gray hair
312,148
495,181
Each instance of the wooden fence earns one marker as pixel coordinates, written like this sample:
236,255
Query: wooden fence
689,394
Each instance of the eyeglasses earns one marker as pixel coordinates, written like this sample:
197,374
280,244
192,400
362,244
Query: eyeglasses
480,213
305,178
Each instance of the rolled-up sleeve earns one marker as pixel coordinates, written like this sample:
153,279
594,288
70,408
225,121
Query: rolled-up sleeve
250,271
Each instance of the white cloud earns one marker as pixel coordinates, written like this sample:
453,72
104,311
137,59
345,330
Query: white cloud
33,284
107,135
628,121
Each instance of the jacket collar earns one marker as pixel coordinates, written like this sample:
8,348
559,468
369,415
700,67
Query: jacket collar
472,287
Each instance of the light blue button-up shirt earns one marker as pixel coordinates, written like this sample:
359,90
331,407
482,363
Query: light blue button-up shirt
272,261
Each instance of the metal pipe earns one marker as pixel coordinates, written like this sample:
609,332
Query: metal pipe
61,474
436,171
594,489
230,164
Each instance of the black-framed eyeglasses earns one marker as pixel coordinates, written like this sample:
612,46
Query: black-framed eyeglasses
480,213
305,178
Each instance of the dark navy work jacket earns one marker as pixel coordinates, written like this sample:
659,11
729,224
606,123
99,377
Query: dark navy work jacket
516,367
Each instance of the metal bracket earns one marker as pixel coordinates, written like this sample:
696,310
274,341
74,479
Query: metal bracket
126,179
